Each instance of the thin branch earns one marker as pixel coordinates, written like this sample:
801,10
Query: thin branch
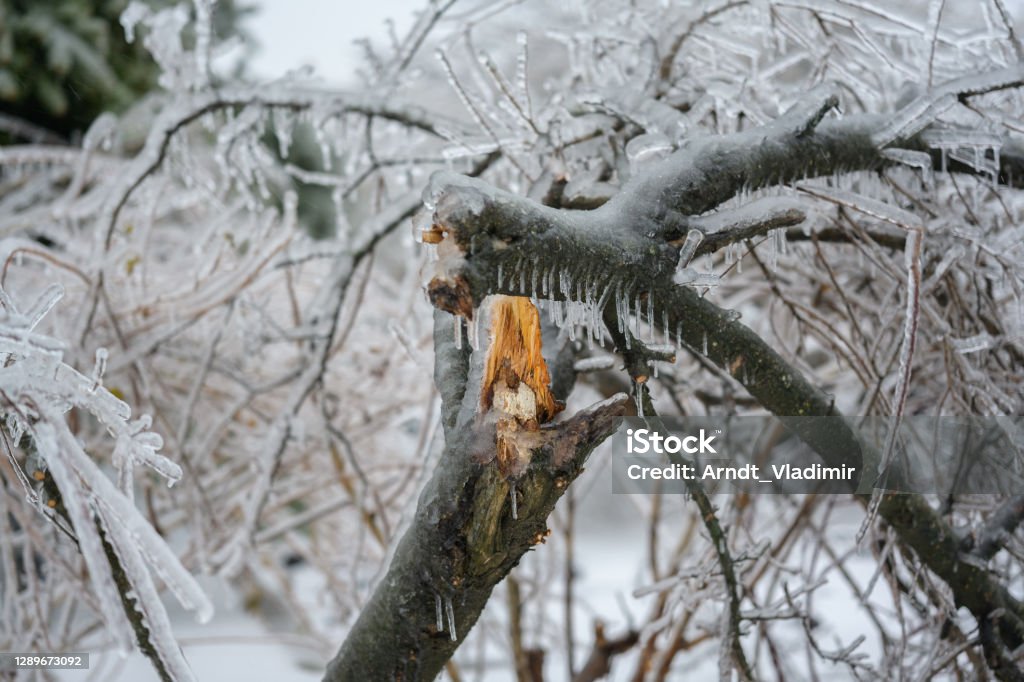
599,663
991,537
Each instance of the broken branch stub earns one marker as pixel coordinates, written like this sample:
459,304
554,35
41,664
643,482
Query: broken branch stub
516,383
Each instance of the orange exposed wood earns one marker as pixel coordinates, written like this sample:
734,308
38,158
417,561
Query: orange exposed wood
516,384
515,356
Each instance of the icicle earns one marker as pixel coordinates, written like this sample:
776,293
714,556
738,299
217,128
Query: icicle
512,498
501,276
473,331
650,316
619,307
451,618
636,324
458,332
704,344
522,72
522,278
638,394
438,612
689,248
99,368
326,155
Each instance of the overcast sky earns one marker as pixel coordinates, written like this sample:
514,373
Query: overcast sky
293,33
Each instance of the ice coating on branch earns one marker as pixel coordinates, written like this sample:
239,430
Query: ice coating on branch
866,205
594,364
973,344
750,215
147,602
925,109
693,278
977,149
648,148
41,388
76,504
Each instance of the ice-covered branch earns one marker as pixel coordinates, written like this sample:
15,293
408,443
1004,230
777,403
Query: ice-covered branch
923,110
991,537
492,241
760,216
194,107
121,550
733,656
632,237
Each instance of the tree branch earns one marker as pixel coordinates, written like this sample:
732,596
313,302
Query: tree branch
463,540
993,535
622,247
599,663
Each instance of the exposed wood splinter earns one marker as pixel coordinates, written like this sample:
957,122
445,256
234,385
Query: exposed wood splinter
516,383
